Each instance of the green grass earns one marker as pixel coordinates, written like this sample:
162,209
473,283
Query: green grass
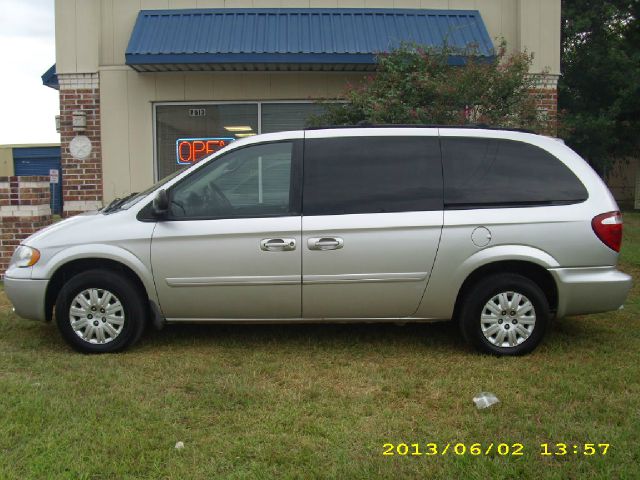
320,401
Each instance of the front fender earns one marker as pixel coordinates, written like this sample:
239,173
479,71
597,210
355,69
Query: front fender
99,251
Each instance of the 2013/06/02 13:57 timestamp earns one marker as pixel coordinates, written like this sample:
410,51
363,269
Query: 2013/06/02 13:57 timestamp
501,449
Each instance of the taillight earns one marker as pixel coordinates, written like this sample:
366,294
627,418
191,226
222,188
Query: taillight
608,228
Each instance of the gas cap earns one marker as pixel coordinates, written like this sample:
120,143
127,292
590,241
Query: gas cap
481,237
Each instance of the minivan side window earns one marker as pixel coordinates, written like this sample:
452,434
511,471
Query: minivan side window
254,181
487,172
349,175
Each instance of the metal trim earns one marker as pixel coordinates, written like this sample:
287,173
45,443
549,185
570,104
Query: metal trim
234,281
303,320
364,278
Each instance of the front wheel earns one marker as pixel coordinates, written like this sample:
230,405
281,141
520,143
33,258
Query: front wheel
99,311
504,314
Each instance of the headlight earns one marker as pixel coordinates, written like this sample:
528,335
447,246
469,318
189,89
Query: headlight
24,257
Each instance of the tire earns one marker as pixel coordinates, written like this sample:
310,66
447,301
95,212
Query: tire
515,330
121,302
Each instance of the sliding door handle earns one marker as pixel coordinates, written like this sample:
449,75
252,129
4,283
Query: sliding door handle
325,243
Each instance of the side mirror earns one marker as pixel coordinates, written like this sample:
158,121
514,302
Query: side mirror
161,204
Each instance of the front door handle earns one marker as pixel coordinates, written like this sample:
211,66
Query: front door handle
325,243
278,244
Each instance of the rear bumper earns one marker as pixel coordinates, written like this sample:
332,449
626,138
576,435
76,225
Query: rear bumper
590,289
27,296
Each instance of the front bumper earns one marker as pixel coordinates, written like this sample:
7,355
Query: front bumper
590,289
27,296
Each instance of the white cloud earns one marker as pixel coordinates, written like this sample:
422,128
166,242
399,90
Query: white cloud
27,50
30,18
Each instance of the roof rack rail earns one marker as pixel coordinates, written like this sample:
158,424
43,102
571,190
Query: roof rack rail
417,125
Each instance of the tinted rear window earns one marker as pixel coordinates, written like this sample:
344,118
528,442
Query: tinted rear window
371,175
480,172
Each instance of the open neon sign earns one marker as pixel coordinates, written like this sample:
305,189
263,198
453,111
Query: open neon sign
191,150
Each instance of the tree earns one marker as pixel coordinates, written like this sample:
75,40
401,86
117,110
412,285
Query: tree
417,85
599,90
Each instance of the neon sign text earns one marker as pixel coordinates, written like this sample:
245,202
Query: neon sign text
191,150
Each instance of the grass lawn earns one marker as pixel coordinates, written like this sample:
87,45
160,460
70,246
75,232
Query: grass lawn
320,401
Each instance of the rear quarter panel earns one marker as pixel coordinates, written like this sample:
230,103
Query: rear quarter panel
549,236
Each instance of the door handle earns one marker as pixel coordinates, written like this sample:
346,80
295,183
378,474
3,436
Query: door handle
325,243
278,244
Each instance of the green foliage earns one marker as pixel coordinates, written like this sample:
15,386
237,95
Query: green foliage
416,85
599,91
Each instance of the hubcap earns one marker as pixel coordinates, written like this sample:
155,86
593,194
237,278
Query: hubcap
508,319
86,326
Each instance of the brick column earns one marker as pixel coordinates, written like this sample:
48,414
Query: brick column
81,178
24,209
545,93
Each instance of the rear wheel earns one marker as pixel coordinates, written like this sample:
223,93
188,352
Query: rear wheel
100,311
504,314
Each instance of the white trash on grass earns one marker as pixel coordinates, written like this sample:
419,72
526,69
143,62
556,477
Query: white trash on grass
179,445
485,400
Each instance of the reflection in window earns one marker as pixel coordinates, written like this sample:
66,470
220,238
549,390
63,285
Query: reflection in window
249,182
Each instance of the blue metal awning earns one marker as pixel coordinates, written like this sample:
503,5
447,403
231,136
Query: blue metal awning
294,39
50,79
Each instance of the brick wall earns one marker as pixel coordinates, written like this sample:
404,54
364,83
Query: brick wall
24,209
547,101
545,93
82,178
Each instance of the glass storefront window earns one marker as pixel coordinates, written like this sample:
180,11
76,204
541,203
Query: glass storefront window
187,133
205,122
280,117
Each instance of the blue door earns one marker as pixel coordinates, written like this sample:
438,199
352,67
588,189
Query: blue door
38,161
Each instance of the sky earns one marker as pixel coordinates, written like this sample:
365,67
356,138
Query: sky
27,50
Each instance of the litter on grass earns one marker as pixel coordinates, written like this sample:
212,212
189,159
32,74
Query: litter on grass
485,400
179,445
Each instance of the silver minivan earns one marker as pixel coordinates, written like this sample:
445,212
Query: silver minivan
499,230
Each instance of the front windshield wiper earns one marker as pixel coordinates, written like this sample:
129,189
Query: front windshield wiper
117,203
